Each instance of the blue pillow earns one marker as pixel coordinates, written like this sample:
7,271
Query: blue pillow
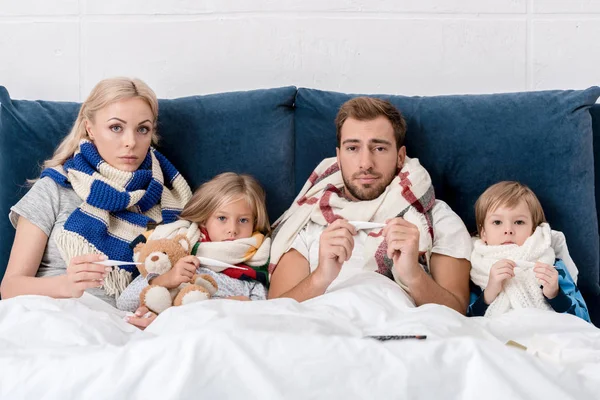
29,134
247,132
250,132
469,142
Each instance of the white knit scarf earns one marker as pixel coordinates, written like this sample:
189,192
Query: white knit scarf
409,195
523,290
252,251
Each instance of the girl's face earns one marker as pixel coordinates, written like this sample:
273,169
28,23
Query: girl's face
507,225
231,221
122,132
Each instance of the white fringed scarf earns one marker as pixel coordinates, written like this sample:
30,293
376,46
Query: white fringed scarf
523,290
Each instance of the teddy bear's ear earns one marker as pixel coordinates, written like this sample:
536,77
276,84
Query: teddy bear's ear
183,242
137,241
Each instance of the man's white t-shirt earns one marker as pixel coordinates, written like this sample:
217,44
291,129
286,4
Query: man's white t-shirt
450,238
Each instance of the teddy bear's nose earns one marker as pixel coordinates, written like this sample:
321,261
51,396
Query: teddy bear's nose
154,258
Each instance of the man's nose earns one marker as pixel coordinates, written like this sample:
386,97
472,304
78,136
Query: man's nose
366,160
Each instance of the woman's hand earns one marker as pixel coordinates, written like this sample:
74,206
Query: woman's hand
142,318
83,274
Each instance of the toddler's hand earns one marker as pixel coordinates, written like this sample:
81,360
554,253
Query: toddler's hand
181,272
500,272
548,277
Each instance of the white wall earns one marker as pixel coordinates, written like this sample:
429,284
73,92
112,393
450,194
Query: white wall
58,49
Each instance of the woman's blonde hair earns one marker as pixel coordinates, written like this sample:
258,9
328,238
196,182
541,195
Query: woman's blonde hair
224,189
507,194
106,92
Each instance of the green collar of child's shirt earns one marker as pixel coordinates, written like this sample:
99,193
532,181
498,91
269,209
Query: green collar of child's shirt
195,248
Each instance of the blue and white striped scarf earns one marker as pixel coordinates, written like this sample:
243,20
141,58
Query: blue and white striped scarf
117,205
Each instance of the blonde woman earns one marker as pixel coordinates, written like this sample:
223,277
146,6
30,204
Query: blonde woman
99,191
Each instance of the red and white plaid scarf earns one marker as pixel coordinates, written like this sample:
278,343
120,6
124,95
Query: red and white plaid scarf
410,195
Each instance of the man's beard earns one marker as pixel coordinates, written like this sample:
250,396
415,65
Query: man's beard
367,192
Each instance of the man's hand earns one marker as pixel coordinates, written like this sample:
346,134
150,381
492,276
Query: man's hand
181,272
500,272
402,239
548,276
335,247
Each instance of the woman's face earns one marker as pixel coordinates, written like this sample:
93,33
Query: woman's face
122,132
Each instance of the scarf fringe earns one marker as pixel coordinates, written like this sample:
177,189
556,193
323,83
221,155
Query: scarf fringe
71,244
116,281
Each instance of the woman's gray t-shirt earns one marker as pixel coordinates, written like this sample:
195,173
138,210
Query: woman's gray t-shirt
47,205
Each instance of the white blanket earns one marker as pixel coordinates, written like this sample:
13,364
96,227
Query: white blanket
82,349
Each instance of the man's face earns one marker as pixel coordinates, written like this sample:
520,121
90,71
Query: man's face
368,157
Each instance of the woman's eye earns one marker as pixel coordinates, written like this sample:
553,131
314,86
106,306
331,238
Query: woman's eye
116,128
143,129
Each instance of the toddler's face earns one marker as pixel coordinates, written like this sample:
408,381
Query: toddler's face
507,225
231,221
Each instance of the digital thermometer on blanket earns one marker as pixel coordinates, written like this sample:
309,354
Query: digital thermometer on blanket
366,225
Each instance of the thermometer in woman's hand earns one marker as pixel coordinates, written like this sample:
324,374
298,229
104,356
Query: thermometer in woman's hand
115,263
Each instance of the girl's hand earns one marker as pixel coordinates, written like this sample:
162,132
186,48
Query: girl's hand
82,274
548,277
142,318
500,272
181,272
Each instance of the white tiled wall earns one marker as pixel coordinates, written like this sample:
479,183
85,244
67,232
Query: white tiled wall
59,49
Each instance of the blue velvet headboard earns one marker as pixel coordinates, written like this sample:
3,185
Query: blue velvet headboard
544,139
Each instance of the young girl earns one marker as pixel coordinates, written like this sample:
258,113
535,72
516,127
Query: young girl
513,261
94,196
227,220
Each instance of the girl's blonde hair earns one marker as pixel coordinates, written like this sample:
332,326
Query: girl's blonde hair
508,194
224,189
106,92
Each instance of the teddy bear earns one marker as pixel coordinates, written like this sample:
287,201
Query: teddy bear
157,257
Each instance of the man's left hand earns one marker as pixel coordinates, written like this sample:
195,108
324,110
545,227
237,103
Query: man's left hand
402,239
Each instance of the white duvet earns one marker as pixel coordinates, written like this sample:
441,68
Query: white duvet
82,349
